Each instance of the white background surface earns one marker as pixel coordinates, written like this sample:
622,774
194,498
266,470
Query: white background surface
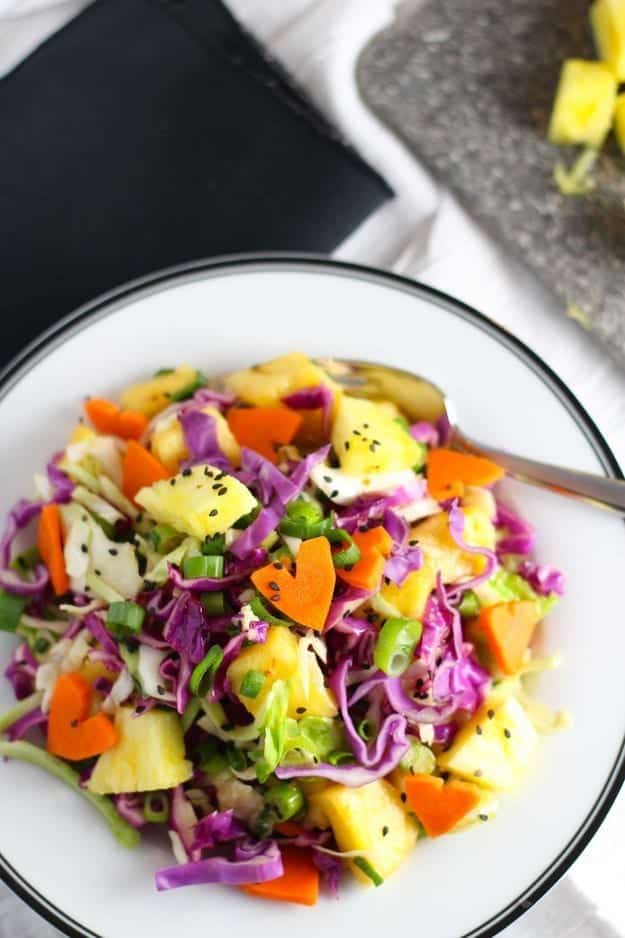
422,233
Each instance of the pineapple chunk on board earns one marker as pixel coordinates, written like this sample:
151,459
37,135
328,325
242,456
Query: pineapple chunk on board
168,444
267,384
584,104
192,504
149,756
360,816
368,439
495,747
149,397
279,660
607,18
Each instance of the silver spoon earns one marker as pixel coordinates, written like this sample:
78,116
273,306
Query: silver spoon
420,399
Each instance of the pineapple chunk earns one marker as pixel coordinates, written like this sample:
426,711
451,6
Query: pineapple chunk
358,817
582,110
496,757
80,434
279,660
149,755
266,385
619,121
151,396
367,439
168,444
191,504
441,554
607,18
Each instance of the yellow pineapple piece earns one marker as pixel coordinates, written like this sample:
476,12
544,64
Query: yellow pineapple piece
360,817
154,395
191,504
266,385
279,659
584,103
619,121
168,444
497,756
607,18
81,433
368,439
149,756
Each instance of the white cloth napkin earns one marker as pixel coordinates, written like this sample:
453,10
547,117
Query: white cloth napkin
422,233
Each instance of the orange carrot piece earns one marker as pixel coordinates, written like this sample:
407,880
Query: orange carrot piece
305,597
508,629
72,734
299,882
449,472
50,545
140,468
440,807
131,424
375,547
264,428
103,414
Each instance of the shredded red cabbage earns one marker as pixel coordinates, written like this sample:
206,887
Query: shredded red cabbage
424,432
371,508
217,828
259,868
19,729
330,868
319,397
130,806
342,605
456,529
62,485
270,485
186,629
521,537
22,671
543,578
200,434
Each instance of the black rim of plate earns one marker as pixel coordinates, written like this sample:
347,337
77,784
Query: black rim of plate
234,264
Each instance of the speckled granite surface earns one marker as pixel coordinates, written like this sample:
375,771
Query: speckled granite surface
468,84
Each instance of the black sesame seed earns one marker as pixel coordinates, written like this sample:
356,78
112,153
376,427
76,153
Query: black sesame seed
334,493
186,472
222,491
327,478
372,447
384,831
84,548
221,475
227,727
139,518
84,518
478,730
348,567
413,543
483,817
357,433
212,513
140,708
422,696
377,443
113,551
207,472
216,486
172,481
478,773
300,710
87,589
439,661
490,714
346,444
444,776
277,565
404,797
160,690
507,733
74,723
97,572
366,426
419,682
149,585
273,585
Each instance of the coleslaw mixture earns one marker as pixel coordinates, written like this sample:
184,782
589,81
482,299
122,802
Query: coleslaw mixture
276,620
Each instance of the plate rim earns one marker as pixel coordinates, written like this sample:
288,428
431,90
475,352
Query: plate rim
160,280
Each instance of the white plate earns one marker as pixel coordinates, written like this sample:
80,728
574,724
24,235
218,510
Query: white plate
57,854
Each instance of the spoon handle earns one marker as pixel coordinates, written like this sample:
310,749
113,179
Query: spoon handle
596,490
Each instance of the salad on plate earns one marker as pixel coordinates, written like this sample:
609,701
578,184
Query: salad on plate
276,620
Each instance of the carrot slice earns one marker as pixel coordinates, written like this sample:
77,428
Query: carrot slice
72,734
131,424
299,882
449,472
264,428
440,807
50,544
508,629
305,596
375,547
140,468
103,414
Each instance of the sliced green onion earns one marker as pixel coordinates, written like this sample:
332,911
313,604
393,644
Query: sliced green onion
190,713
251,684
245,520
287,799
27,560
189,390
204,673
341,757
164,538
367,729
11,609
396,645
469,607
123,832
214,545
304,511
236,759
214,604
194,568
419,760
304,529
155,807
368,870
350,554
260,610
125,617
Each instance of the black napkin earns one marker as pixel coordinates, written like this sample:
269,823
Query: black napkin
151,132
